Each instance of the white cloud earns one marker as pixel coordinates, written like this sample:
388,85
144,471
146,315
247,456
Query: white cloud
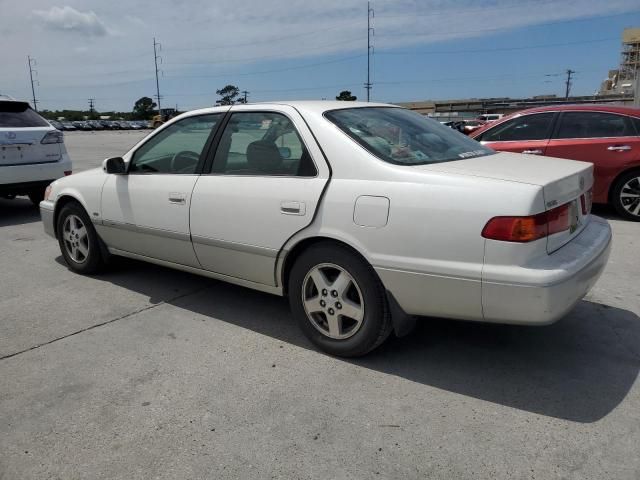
71,20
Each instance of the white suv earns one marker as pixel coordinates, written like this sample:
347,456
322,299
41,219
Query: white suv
32,152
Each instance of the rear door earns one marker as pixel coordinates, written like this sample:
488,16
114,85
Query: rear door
523,134
607,140
21,134
264,185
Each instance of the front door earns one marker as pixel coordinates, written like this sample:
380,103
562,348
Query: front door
146,211
265,184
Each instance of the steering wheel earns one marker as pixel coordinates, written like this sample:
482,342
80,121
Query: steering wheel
186,154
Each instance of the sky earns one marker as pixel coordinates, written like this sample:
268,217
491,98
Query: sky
288,49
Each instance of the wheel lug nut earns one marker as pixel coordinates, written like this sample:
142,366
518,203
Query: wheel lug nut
323,303
338,305
331,311
334,293
324,292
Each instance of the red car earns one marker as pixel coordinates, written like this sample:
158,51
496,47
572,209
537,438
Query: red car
607,136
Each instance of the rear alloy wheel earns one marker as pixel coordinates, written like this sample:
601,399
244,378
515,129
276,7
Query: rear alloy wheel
78,240
626,196
338,301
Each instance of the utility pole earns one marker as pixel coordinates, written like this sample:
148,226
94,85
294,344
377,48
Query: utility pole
156,48
568,83
245,93
31,62
91,104
370,15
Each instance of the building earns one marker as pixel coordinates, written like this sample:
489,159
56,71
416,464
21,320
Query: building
621,80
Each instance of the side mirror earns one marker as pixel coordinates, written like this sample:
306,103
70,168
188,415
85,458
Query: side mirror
114,165
285,152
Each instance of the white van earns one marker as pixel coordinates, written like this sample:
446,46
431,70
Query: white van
32,152
490,117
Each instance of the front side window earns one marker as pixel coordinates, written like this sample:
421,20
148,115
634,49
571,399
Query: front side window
19,115
594,125
262,143
527,127
177,149
403,137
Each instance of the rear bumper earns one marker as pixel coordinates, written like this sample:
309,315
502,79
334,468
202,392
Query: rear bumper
549,288
46,214
16,175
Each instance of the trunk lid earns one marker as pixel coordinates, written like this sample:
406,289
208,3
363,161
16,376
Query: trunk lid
562,181
21,133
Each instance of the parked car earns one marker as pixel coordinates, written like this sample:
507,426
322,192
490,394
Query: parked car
68,126
124,125
470,126
134,125
95,125
364,215
489,117
82,125
32,151
55,124
607,136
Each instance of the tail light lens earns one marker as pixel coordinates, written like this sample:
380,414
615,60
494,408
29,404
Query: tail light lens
529,228
54,136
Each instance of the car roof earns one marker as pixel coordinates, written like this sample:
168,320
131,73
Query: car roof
582,107
315,106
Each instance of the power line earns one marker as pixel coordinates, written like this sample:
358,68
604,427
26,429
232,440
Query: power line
370,15
157,46
31,62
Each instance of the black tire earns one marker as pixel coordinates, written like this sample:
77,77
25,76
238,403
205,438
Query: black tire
93,261
376,324
621,204
37,195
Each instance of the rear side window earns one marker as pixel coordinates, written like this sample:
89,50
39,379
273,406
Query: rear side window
19,115
636,123
527,127
594,125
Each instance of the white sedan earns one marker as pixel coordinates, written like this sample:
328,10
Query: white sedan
365,215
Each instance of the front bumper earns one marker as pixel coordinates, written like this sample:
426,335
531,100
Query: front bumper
47,216
552,285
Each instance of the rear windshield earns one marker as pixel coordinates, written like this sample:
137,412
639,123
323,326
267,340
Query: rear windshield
403,137
19,114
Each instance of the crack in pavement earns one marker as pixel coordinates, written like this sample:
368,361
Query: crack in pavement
107,322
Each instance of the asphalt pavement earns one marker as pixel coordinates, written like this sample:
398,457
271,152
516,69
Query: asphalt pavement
148,373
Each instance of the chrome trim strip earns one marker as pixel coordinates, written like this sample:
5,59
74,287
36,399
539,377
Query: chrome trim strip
206,273
239,247
159,232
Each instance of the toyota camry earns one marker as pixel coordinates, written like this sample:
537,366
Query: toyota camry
366,216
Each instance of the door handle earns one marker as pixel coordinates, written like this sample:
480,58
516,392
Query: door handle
532,152
178,198
293,208
619,148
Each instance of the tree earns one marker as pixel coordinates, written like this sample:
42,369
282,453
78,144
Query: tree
143,108
229,95
346,96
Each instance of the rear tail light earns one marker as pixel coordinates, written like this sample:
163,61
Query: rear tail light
529,228
586,200
67,173
54,136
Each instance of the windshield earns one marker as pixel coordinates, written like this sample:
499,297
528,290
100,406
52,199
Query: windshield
19,114
403,137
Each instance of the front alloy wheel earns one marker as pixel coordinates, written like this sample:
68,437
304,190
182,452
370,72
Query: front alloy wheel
75,238
78,240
